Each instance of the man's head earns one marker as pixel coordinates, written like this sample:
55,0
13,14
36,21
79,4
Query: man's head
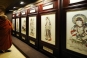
2,10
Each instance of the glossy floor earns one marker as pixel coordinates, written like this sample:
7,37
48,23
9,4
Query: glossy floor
15,53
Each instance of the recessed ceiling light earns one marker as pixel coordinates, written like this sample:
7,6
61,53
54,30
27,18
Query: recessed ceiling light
21,2
10,10
14,7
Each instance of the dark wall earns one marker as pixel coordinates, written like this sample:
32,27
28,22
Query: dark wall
9,15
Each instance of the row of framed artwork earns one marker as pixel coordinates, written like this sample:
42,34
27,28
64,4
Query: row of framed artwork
76,29
73,34
37,31
47,27
37,27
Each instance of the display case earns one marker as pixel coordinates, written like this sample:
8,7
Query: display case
18,27
33,26
13,23
23,27
49,28
17,23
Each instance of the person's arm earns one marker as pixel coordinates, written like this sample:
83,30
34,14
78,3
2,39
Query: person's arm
10,24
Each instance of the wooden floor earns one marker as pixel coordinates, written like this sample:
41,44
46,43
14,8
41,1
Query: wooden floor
15,53
27,50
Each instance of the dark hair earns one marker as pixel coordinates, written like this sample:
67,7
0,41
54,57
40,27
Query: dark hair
79,19
2,8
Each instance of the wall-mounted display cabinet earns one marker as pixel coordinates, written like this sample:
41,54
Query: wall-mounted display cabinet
33,26
49,23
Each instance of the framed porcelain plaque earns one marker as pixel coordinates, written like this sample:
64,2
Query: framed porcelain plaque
76,31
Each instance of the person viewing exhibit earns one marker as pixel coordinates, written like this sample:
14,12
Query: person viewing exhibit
5,31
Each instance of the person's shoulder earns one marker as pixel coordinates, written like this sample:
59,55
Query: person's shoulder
5,16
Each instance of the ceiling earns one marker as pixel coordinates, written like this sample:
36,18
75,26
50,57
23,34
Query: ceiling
6,3
9,4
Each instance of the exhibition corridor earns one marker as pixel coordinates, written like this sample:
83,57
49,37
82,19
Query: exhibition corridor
43,28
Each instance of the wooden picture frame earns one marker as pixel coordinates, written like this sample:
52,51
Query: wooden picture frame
72,46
